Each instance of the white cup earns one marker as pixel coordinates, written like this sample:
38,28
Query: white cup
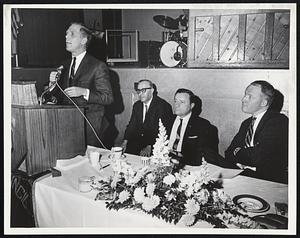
84,184
94,158
145,161
116,152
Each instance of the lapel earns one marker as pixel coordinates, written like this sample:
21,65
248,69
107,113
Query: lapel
140,112
188,129
81,68
261,124
150,109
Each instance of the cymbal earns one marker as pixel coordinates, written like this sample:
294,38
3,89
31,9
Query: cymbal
165,21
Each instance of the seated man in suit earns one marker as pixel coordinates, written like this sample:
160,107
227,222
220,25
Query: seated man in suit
191,136
142,129
262,140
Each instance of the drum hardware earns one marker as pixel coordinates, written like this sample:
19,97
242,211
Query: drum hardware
166,22
174,49
173,53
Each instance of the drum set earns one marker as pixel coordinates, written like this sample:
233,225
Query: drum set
174,49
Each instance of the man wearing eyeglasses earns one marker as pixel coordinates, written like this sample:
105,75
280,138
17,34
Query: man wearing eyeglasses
142,129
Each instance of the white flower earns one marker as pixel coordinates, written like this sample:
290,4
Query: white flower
197,186
150,203
189,191
202,196
139,195
150,177
187,220
192,207
116,179
169,179
169,196
123,196
150,189
224,197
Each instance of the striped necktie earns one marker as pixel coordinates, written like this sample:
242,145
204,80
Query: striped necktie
175,145
72,74
250,132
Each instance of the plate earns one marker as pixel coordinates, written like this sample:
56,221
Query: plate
251,203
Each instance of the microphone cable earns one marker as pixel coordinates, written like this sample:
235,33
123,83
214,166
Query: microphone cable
56,83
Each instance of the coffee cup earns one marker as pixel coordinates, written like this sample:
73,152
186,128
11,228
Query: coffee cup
116,152
84,184
145,161
94,158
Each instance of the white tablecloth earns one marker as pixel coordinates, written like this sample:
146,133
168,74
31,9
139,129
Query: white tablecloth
58,202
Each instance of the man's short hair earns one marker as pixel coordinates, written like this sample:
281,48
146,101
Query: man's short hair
187,91
146,80
266,88
85,32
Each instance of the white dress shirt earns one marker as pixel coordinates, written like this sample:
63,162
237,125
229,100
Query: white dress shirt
257,120
174,130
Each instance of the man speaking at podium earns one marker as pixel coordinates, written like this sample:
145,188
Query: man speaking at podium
85,80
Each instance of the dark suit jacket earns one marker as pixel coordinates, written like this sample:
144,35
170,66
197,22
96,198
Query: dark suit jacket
200,139
140,134
270,151
93,75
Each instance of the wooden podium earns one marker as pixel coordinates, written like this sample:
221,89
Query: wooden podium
43,134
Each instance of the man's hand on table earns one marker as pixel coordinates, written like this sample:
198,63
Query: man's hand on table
242,166
146,151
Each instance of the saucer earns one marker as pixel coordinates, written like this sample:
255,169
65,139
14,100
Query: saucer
251,203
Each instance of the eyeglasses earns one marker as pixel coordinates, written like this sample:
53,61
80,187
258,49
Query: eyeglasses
142,90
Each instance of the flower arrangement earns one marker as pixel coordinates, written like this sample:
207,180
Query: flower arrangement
176,196
160,153
183,197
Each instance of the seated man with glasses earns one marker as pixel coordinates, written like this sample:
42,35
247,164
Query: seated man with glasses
142,129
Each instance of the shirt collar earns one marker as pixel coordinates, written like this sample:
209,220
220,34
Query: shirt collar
259,115
185,118
79,57
148,103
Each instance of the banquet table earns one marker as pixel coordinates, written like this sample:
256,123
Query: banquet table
57,201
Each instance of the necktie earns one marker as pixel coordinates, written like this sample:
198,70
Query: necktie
72,74
175,145
249,132
145,112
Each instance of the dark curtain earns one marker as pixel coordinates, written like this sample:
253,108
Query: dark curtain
41,41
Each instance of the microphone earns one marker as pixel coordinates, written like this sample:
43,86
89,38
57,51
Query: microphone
57,78
59,71
52,83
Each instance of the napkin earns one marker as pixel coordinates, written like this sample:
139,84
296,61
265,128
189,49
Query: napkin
225,173
66,164
217,171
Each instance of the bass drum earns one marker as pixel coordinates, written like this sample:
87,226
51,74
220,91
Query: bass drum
173,53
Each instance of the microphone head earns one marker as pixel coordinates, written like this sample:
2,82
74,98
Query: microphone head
59,69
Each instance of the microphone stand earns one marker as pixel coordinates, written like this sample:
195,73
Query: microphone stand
57,77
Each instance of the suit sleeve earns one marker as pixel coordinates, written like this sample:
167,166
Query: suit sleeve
237,141
130,130
271,147
166,116
101,92
214,139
